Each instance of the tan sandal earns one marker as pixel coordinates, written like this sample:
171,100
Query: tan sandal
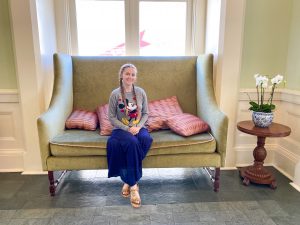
125,191
135,198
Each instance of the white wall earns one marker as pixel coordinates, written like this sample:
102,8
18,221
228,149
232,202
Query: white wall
293,58
227,72
34,41
11,135
47,41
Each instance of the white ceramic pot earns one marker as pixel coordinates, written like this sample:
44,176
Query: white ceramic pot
262,119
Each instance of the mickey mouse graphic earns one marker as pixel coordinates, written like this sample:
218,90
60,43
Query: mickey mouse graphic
130,111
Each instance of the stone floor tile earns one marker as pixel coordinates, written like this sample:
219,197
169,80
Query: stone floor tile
237,223
183,208
272,208
207,216
286,220
164,208
219,206
82,200
39,202
71,221
9,188
85,212
257,216
268,221
103,220
186,217
202,206
34,213
134,219
4,221
13,203
29,221
116,210
244,205
6,214
188,223
161,218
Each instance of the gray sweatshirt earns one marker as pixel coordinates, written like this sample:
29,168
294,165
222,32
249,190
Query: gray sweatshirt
136,113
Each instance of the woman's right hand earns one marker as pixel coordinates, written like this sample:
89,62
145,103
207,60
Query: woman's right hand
134,130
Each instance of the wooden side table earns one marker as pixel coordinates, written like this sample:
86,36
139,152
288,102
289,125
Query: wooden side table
257,173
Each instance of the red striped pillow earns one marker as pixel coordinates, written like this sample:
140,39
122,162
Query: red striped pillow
82,119
160,111
105,125
186,124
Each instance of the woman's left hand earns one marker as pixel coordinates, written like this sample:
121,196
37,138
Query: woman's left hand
134,130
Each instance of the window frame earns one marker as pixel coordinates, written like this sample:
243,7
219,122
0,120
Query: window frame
195,26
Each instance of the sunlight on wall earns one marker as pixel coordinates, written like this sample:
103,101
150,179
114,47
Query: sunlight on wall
293,59
7,65
266,38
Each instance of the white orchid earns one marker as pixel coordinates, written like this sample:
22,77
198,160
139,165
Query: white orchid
277,79
261,85
261,80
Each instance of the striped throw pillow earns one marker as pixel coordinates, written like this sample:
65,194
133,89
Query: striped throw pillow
105,125
186,124
160,111
82,119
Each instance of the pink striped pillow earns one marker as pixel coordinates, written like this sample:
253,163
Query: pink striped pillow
186,124
160,111
105,125
82,119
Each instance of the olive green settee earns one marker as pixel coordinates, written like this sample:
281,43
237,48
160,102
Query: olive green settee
84,82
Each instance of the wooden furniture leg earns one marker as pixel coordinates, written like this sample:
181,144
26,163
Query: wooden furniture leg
215,177
54,183
257,173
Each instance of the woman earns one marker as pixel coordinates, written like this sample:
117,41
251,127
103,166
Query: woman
130,141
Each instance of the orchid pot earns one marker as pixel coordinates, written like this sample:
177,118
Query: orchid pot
262,119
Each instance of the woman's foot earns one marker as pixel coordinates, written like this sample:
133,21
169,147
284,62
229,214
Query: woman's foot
135,198
125,191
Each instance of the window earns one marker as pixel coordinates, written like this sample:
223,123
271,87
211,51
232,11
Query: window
162,28
100,27
134,27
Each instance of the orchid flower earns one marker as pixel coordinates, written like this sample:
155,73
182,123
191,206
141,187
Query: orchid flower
261,85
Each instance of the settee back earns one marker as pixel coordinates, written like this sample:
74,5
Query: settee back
95,77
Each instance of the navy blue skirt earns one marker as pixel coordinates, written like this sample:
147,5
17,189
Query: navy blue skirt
125,153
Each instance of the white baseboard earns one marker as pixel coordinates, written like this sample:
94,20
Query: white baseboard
34,173
229,168
11,160
297,187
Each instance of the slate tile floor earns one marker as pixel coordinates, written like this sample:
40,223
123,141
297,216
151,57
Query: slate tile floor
169,196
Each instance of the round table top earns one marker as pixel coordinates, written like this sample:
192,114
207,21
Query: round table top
274,130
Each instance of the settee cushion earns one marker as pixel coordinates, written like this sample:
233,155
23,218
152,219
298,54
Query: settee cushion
186,124
82,119
165,142
160,111
105,125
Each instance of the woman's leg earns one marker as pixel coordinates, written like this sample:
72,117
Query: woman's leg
124,157
145,140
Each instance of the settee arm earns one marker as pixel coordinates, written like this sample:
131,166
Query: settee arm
52,122
207,107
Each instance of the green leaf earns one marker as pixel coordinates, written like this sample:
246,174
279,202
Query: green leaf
254,104
272,107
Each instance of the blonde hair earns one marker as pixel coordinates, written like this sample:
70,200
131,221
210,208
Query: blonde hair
123,67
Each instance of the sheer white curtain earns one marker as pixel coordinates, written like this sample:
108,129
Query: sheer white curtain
196,27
